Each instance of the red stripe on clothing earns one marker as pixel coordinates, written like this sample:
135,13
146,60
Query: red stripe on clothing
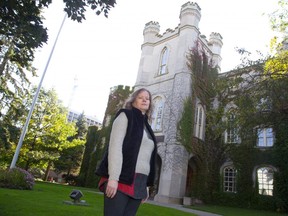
124,188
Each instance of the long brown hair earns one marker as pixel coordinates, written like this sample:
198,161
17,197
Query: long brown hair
132,98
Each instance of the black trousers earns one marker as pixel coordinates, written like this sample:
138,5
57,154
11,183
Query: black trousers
121,205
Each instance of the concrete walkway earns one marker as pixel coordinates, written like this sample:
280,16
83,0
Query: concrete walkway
181,208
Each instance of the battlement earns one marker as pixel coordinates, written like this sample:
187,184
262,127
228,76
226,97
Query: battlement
190,14
168,33
216,39
189,4
152,23
151,27
216,35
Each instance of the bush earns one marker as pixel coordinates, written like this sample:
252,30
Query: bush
70,179
16,178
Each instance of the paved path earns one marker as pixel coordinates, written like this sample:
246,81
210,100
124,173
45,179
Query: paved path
181,208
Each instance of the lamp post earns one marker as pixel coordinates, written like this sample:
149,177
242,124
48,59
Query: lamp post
24,130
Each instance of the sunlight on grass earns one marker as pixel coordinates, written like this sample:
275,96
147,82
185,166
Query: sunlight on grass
47,199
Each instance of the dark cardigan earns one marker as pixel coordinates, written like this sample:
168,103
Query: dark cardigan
131,146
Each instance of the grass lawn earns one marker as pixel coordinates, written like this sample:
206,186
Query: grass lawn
229,211
47,199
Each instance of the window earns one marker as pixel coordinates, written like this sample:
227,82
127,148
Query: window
199,122
264,105
265,137
163,61
157,114
265,181
229,179
231,134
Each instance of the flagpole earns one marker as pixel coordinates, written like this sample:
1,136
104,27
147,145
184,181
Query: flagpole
24,130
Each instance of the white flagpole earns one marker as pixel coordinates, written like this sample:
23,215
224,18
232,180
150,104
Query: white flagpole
24,130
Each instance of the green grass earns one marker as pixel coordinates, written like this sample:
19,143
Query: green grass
229,211
47,199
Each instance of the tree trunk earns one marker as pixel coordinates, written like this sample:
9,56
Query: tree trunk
47,171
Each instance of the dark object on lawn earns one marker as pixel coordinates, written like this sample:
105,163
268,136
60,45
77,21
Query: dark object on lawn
76,195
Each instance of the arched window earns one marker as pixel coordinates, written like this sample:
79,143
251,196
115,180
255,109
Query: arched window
163,61
231,134
199,122
265,180
157,114
229,181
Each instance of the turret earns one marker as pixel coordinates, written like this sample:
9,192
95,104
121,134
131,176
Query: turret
215,44
190,14
150,31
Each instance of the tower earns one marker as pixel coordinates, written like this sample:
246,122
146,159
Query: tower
163,70
75,85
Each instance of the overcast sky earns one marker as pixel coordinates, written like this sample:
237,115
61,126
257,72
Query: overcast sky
101,53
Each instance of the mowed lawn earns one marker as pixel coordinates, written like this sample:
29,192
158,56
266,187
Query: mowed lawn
47,199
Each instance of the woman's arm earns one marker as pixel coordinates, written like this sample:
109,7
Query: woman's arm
115,157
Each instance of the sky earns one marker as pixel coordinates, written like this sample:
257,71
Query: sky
91,57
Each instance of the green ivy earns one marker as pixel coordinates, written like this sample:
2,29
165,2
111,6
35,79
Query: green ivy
210,155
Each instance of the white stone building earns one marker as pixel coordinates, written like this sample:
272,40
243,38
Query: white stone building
91,120
163,70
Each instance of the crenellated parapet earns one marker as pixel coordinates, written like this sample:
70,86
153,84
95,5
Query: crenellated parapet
150,32
190,14
170,32
216,39
215,43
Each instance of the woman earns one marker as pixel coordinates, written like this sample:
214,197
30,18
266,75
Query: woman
128,167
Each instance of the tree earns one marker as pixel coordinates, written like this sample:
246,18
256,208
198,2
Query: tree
81,125
21,33
279,23
47,134
256,95
90,145
70,159
10,127
22,30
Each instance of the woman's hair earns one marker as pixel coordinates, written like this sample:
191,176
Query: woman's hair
133,96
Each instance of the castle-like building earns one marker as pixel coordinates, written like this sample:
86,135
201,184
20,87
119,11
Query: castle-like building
163,70
227,155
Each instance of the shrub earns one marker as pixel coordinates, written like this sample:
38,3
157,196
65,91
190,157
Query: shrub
16,178
70,179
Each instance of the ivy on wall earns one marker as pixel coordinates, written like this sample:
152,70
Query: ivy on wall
258,98
207,155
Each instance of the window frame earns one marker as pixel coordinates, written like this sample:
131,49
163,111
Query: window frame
163,61
199,122
232,132
157,115
265,137
263,185
229,182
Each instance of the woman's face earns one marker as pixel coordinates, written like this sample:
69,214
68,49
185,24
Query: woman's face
142,101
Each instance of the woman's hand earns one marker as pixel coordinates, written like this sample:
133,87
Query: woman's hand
111,188
144,200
